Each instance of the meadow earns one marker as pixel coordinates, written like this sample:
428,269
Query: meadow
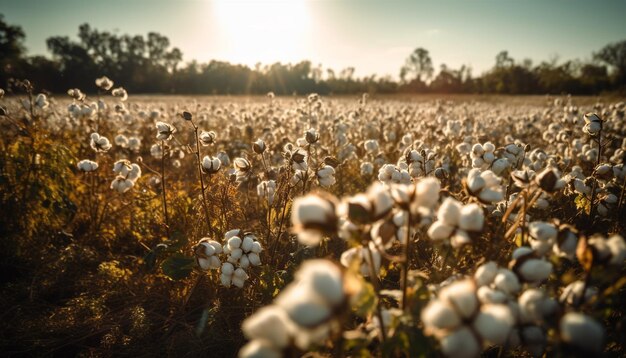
272,226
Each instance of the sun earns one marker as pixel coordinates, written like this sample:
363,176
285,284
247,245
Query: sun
263,31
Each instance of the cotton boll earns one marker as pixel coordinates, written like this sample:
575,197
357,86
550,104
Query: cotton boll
462,295
439,316
256,247
522,251
244,262
301,304
460,238
270,324
247,243
486,273
535,306
573,292
325,279
472,218
460,344
259,349
236,254
449,212
228,269
582,331
440,231
499,166
254,259
238,281
507,281
535,270
488,295
617,246
234,243
494,323
226,279
427,192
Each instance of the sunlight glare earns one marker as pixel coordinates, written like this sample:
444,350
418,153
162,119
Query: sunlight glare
262,30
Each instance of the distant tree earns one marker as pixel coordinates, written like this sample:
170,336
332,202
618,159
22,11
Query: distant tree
418,66
614,55
504,60
11,50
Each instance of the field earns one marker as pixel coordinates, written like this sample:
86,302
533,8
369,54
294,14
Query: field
331,226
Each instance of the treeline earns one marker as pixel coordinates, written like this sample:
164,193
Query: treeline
151,65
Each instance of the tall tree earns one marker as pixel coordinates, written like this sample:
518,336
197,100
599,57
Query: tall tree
418,65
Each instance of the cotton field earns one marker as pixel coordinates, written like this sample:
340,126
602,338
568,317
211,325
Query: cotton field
312,225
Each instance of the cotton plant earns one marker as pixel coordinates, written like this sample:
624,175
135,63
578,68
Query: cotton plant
456,222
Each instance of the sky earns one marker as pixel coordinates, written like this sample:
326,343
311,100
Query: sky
374,36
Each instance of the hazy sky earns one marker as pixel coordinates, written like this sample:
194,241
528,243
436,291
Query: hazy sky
374,36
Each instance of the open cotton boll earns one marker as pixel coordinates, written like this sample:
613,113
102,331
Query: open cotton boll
439,316
486,273
507,281
259,349
234,243
462,295
471,218
325,279
247,243
535,270
440,231
460,344
617,246
488,295
427,192
494,323
582,331
542,231
449,212
254,259
303,305
460,238
535,305
271,324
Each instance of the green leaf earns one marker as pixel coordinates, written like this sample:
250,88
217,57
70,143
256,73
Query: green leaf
178,266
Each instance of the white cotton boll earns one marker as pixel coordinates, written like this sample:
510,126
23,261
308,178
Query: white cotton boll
477,162
542,230
303,305
472,218
582,331
234,242
494,323
247,243
490,196
489,157
460,344
227,268
440,231
499,166
204,263
507,281
521,251
427,192
534,270
489,147
460,238
475,181
567,247
271,324
438,316
240,273
259,349
488,295
226,279
449,212
535,305
478,150
214,262
325,279
208,249
254,259
236,254
256,247
238,281
617,246
244,262
486,273
311,209
462,295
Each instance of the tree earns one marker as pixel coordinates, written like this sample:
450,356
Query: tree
418,65
11,50
614,55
